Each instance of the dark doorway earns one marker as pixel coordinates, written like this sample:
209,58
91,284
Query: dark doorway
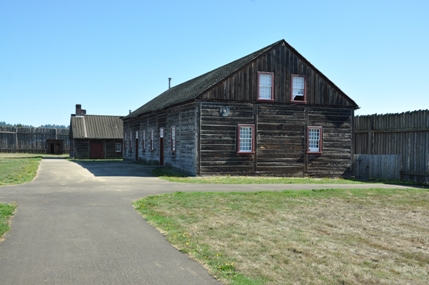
161,151
137,149
96,150
55,146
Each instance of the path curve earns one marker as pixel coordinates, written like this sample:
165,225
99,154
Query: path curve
75,224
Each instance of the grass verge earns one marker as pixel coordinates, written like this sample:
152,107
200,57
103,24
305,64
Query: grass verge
336,236
18,169
6,212
173,176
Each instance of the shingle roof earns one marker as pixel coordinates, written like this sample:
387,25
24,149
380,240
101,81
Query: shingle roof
191,89
96,127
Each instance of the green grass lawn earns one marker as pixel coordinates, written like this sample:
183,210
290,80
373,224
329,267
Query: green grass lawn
335,236
172,176
18,168
6,212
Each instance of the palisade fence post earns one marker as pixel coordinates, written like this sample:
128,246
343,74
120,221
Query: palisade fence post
16,139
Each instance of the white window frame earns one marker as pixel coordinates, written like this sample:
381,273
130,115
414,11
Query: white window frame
298,90
151,140
263,86
143,140
173,139
118,147
314,140
245,144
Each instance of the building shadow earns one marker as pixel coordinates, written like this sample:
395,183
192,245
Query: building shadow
116,168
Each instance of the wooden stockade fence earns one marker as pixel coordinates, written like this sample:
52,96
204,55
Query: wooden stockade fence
34,140
385,167
405,134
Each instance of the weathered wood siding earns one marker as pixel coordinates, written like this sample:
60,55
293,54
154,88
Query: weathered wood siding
218,139
283,61
183,118
405,134
31,140
81,148
281,132
281,140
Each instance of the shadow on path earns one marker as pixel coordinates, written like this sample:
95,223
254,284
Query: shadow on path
117,168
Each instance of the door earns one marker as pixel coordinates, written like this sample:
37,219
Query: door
137,149
161,151
96,149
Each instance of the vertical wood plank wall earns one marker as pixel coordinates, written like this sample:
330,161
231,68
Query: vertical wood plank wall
31,140
405,134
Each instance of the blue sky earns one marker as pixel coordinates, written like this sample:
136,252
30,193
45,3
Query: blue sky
114,56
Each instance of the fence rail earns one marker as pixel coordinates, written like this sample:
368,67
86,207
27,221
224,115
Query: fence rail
33,140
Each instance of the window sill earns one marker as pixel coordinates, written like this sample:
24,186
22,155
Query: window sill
298,102
264,100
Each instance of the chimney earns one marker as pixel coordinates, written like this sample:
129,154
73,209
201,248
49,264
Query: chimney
78,109
169,82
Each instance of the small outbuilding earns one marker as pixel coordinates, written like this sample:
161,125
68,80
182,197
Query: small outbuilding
268,113
95,136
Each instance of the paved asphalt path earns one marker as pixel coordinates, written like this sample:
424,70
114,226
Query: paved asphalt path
75,224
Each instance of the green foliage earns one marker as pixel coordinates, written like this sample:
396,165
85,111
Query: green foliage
6,211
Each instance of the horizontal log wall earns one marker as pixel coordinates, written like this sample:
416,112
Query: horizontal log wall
281,132
218,144
281,140
336,157
31,140
405,134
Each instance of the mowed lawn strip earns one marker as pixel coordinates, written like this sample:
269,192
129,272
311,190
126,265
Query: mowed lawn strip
18,168
172,176
6,212
334,236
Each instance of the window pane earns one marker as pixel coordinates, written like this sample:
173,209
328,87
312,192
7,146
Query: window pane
297,86
314,140
265,81
245,139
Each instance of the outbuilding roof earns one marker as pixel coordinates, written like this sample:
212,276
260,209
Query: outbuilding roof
96,127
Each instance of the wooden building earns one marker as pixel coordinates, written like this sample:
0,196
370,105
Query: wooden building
268,113
95,136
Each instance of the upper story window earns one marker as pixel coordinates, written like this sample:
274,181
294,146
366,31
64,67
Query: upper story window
246,138
298,89
266,86
173,139
314,140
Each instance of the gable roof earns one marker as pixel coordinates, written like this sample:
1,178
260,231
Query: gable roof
96,127
193,88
